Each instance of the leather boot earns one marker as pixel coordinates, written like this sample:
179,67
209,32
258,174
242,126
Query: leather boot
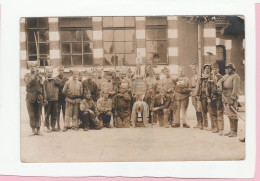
198,121
234,128
38,132
231,127
220,132
33,132
243,139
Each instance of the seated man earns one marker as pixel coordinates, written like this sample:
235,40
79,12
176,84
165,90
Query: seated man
162,103
104,107
89,113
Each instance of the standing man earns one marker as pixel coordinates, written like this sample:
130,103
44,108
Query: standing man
215,99
61,96
202,98
34,97
89,112
89,84
161,107
98,80
73,91
181,98
122,106
229,85
104,107
194,84
51,86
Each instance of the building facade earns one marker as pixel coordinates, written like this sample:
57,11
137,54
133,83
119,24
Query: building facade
104,41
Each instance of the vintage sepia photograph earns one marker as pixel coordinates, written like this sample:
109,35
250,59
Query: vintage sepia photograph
132,88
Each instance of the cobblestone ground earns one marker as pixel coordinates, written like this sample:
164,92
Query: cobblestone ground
129,144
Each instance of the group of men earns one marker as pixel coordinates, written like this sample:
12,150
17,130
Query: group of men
109,95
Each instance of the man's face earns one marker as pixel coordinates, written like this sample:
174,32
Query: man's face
129,74
74,75
181,72
109,77
215,70
33,68
90,76
194,70
61,71
122,76
123,90
99,74
88,95
80,76
163,93
49,74
229,70
207,70
157,76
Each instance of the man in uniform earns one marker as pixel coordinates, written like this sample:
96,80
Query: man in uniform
181,98
104,107
229,85
194,84
89,112
122,106
161,106
98,80
34,97
80,77
61,96
201,93
51,86
73,90
89,84
215,100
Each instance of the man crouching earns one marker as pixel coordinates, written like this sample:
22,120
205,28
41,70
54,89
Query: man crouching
89,113
104,107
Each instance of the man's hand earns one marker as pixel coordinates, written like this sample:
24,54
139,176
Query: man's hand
230,102
155,109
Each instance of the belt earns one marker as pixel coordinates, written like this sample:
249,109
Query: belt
73,98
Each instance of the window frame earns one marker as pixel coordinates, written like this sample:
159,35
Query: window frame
156,27
37,30
113,29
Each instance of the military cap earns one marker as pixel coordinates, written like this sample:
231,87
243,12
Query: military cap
32,63
205,65
215,65
230,65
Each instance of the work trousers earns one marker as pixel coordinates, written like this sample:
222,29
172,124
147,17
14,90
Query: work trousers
61,107
122,119
51,111
206,108
180,106
71,115
217,110
105,117
163,116
34,111
89,121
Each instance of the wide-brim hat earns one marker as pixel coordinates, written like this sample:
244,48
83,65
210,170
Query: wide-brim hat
230,65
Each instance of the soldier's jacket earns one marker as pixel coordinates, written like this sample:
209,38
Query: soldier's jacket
63,80
162,103
92,86
107,86
104,105
194,84
229,84
73,89
34,88
168,84
182,88
51,87
201,89
86,105
212,89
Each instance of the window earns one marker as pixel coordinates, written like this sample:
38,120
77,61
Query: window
38,40
76,41
119,40
220,52
156,38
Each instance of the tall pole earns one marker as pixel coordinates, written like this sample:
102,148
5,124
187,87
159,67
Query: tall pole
200,45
